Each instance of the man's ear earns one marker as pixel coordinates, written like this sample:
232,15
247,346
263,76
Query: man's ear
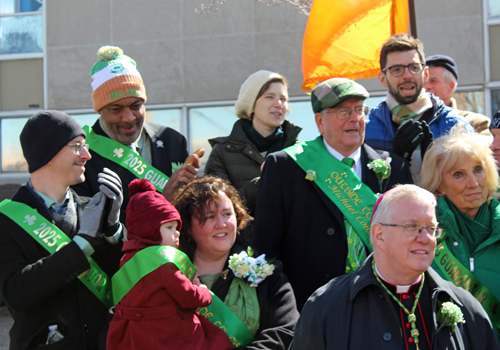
319,122
378,237
383,79
426,74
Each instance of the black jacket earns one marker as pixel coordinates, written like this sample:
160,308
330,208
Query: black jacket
299,225
355,312
42,289
171,149
236,158
278,313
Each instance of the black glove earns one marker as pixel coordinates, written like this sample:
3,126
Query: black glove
428,138
111,187
90,220
408,137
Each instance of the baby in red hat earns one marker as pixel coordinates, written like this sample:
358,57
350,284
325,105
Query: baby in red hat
159,311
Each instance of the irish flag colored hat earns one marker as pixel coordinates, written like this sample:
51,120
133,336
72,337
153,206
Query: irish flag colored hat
115,77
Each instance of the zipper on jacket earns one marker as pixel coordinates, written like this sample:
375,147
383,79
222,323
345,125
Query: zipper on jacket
471,262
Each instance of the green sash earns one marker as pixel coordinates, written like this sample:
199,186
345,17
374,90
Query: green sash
340,184
146,261
125,157
221,315
52,239
149,259
460,276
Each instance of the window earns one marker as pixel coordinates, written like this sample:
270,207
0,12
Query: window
203,123
493,9
206,123
12,155
472,101
21,25
168,117
495,101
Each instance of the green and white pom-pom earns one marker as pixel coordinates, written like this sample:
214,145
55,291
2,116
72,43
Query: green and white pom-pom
109,53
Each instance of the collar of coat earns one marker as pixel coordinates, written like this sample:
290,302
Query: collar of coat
363,278
239,137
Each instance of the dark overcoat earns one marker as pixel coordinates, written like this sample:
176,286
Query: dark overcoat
298,224
355,312
42,289
167,147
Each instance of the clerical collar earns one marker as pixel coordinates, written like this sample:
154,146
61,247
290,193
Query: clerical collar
399,289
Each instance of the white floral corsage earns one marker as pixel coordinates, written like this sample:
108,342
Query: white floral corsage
449,315
382,170
255,270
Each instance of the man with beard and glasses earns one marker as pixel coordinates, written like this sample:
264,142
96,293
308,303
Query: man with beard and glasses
408,120
122,140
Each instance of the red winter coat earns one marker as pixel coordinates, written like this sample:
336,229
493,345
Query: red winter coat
159,312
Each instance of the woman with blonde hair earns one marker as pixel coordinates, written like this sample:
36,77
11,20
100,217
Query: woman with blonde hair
460,170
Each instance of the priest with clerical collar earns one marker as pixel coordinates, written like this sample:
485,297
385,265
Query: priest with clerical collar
395,300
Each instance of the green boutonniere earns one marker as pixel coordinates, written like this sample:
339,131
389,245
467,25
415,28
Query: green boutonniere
381,168
449,315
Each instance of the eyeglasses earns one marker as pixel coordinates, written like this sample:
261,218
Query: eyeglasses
398,69
414,230
79,147
345,113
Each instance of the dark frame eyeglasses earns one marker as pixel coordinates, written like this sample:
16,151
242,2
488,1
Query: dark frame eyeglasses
398,69
345,113
79,147
415,230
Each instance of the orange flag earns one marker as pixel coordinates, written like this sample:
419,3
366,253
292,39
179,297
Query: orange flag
343,38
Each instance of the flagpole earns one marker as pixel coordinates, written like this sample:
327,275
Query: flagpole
413,18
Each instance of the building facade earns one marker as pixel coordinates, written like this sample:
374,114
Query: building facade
193,64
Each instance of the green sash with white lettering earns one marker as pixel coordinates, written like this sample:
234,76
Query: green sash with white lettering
52,239
149,259
341,185
125,157
460,276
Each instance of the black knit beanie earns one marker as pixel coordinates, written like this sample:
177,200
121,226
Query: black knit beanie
45,134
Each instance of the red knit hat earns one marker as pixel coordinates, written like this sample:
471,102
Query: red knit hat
147,210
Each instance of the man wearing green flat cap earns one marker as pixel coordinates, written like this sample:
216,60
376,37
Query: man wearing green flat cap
315,197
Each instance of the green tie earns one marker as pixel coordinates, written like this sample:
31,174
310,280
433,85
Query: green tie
348,161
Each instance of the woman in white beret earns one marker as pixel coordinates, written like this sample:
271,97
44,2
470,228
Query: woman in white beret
262,106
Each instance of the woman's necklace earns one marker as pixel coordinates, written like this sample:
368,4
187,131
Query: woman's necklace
411,316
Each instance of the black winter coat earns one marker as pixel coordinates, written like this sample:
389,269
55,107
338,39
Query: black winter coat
236,159
298,224
355,312
42,289
167,147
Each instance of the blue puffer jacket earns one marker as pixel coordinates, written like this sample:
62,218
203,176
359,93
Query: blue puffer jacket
380,131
